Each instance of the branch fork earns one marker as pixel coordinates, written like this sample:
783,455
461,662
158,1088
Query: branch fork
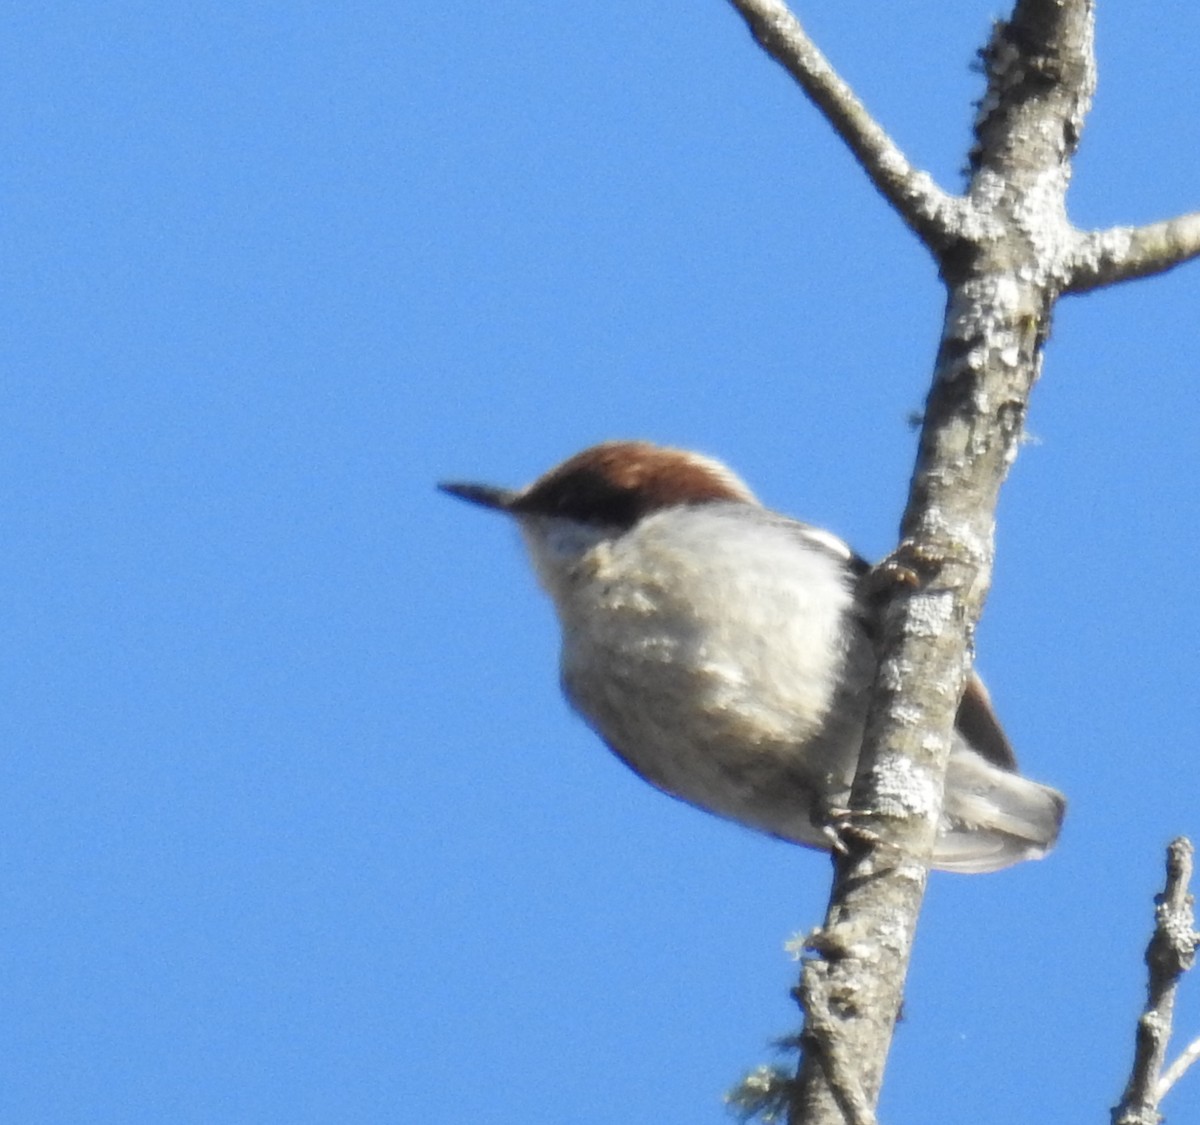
1006,252
943,220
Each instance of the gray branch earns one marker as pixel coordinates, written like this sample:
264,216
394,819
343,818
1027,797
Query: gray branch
1171,952
823,1041
931,212
1105,257
1001,282
1000,249
1178,1068
1006,251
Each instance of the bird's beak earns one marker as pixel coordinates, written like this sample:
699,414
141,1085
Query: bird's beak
485,495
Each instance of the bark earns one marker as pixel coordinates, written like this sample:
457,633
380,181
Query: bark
1171,952
1006,252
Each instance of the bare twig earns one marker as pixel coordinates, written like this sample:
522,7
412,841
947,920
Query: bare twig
1105,257
1178,1068
1171,952
932,213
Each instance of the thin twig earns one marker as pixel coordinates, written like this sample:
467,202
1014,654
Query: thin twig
1171,952
1178,1068
931,212
1105,257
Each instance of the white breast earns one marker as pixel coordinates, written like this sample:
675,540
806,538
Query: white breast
701,624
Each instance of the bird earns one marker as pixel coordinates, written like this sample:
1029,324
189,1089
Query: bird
725,652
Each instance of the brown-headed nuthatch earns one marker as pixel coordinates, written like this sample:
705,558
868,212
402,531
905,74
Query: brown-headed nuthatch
724,652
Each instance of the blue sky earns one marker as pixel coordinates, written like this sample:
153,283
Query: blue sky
297,828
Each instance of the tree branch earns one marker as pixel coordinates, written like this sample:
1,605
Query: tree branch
822,1040
1171,952
932,213
998,255
1006,252
1178,1068
1105,257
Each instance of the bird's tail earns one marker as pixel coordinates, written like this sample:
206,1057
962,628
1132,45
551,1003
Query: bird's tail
994,818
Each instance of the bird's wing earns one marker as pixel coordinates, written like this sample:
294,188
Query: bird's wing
977,723
976,720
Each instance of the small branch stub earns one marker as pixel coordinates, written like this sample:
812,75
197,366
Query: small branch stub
1171,952
1106,257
